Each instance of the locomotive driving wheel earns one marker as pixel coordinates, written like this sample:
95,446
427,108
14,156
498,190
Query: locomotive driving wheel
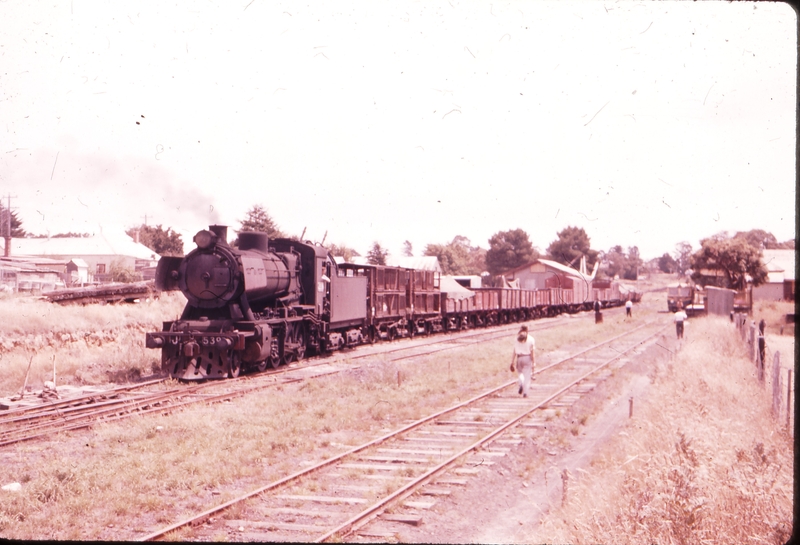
295,343
274,358
235,366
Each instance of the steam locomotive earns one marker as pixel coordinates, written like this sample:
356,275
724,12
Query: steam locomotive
267,303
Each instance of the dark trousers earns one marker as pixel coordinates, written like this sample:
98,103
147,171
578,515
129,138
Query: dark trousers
679,329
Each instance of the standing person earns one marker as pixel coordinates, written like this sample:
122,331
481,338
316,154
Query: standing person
598,316
522,360
628,308
762,347
679,317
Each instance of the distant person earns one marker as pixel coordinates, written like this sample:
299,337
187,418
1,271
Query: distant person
679,317
762,345
522,360
628,308
598,316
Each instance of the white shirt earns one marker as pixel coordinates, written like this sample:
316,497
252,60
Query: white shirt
680,316
525,347
629,304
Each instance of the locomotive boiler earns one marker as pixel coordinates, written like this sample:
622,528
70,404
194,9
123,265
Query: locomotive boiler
260,304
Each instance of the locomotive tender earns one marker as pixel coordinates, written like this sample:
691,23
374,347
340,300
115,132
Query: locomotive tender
269,302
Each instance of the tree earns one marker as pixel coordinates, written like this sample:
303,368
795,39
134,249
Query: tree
571,244
757,238
118,272
340,250
458,257
16,224
258,219
683,256
377,255
161,241
786,245
408,250
509,249
633,264
667,264
70,234
735,258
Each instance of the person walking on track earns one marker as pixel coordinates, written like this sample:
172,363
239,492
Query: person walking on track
628,308
679,317
522,361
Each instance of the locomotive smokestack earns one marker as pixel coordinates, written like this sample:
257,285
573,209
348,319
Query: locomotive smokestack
253,240
221,231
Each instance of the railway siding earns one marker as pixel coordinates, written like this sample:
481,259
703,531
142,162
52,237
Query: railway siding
391,474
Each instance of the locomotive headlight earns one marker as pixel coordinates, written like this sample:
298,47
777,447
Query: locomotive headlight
204,239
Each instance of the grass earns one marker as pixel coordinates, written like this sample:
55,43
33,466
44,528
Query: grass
703,460
91,344
145,471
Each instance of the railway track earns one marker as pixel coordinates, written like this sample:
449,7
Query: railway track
162,396
394,478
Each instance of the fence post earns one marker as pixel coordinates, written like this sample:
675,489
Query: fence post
789,400
776,385
751,340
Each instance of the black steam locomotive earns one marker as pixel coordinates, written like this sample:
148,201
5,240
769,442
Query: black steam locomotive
261,304
266,302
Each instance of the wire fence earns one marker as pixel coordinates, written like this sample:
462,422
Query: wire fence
773,369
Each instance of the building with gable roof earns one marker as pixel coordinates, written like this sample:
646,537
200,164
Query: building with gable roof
544,273
96,253
779,286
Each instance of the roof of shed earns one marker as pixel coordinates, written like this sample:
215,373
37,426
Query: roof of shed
113,243
569,271
779,261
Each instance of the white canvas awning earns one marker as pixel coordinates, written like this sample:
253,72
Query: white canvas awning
454,290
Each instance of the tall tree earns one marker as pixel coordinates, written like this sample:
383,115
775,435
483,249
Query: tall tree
667,264
683,257
161,241
16,224
340,250
509,249
571,244
615,261
633,264
735,258
757,238
258,219
377,255
408,249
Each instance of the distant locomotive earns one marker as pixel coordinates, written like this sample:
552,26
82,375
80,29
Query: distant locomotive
268,302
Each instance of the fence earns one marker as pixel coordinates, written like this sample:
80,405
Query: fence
782,394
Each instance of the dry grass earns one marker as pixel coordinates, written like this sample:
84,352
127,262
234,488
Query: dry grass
774,313
703,461
90,344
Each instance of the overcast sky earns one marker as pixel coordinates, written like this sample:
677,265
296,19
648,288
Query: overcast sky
645,123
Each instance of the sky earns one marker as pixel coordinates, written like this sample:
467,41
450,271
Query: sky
644,123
